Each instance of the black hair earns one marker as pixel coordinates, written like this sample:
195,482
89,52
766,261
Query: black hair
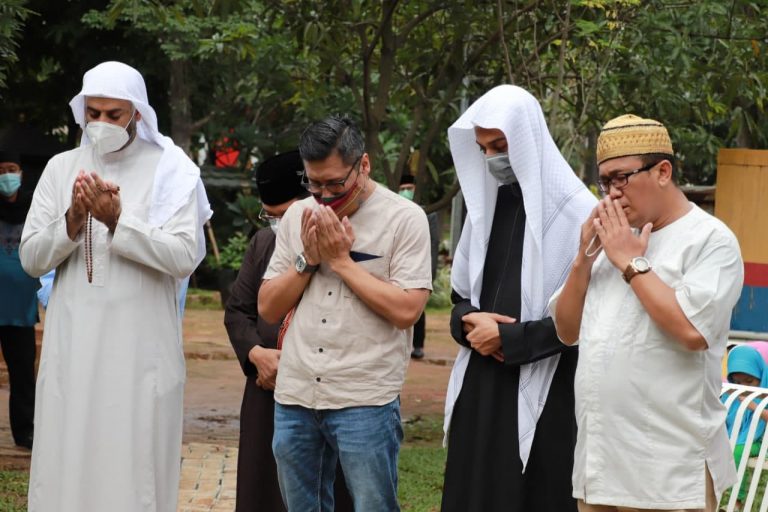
337,132
651,158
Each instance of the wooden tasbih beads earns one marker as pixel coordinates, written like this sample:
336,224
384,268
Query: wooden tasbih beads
89,247
111,190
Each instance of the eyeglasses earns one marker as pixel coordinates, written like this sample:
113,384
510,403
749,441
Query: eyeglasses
264,216
619,181
333,187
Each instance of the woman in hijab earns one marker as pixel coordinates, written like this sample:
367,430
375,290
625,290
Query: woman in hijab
746,367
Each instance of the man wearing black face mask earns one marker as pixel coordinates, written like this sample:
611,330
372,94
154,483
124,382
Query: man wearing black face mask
510,422
352,262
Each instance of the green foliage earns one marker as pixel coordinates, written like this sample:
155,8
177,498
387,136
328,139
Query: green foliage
12,16
246,208
258,71
440,298
231,254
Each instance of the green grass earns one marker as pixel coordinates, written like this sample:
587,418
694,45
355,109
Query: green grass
202,299
13,491
420,478
422,462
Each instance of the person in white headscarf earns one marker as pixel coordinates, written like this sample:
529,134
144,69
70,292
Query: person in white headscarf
120,218
509,420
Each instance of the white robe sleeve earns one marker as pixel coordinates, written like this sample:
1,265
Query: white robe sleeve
171,249
44,241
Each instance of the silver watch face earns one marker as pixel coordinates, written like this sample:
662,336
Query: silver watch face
301,263
641,264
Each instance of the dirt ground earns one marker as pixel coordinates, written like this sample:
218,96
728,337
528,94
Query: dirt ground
215,384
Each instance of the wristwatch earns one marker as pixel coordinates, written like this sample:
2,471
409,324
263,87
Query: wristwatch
302,267
637,265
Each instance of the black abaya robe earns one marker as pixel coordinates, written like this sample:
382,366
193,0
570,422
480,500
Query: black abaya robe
484,471
257,485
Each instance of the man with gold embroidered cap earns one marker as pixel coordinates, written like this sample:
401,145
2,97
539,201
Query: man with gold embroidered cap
649,300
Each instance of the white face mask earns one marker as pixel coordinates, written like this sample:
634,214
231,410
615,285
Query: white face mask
108,137
274,224
498,165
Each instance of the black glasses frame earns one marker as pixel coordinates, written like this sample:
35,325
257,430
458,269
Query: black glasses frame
621,180
334,187
264,216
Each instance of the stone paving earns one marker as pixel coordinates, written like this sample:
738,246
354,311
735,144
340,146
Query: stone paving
208,478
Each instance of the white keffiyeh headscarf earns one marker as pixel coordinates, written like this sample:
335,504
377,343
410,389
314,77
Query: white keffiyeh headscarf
176,175
556,204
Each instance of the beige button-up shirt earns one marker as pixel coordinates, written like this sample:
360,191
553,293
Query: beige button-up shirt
337,352
648,410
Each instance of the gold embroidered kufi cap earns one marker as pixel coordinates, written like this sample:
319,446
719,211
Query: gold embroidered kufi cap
630,135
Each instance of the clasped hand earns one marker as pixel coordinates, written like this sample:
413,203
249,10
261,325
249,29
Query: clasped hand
615,236
482,330
91,194
266,361
325,237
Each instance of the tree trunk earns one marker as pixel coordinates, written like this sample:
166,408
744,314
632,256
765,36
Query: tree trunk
589,176
181,115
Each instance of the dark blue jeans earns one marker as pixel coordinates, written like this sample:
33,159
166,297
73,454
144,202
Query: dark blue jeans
308,443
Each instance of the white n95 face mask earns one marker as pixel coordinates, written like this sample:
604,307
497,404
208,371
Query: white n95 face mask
108,137
500,168
274,224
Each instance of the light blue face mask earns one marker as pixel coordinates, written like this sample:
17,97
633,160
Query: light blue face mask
9,183
500,168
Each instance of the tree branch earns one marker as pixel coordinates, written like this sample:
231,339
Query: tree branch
367,52
422,16
196,125
507,62
561,64
444,201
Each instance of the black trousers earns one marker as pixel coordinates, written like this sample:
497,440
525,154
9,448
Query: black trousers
420,331
18,344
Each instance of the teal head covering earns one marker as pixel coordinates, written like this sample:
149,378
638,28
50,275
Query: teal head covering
745,359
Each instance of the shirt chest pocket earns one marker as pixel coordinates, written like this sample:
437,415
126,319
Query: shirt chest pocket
377,266
363,323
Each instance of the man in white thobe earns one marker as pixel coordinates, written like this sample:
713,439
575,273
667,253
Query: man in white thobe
120,219
649,300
